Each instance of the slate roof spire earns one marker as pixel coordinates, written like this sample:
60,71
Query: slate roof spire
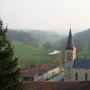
70,41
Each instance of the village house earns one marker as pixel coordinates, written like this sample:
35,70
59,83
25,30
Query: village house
40,73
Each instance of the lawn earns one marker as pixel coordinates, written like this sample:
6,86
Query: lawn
84,53
27,54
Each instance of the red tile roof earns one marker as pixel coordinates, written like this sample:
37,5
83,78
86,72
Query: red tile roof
38,70
56,86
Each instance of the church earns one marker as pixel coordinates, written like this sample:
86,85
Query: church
75,69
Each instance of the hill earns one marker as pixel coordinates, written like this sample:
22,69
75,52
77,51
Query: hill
23,37
85,38
29,55
81,42
34,38
43,35
33,53
32,47
84,42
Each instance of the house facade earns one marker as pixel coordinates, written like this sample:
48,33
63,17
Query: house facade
40,73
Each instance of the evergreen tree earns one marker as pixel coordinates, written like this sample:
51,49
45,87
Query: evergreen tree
9,71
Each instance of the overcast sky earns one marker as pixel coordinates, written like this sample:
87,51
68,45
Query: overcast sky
46,14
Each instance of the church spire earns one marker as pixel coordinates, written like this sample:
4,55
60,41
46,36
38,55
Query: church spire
70,52
70,41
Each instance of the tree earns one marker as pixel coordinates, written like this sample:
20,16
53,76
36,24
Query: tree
47,45
9,71
63,43
79,44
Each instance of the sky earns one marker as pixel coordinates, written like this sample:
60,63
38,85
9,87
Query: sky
46,14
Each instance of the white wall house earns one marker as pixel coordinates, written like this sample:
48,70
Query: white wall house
40,73
49,74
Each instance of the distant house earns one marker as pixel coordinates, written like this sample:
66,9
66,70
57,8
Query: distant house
40,73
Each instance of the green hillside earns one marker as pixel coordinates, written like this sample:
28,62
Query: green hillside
28,55
84,53
84,39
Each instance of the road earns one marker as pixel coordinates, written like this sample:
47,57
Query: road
57,78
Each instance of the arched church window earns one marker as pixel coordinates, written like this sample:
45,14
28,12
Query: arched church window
76,76
85,76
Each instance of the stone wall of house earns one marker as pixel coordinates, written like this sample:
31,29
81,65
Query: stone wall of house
67,74
49,74
53,71
81,74
70,74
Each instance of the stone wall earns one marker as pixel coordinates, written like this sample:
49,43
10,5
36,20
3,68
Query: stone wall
67,74
49,74
70,74
81,74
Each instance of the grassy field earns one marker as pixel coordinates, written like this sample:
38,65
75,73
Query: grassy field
84,53
27,54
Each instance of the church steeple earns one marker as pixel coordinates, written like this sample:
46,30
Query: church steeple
70,50
70,41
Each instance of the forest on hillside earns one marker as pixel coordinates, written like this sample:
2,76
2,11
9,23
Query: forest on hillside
81,41
36,38
50,40
33,46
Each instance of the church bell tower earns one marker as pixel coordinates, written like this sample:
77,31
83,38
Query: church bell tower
70,50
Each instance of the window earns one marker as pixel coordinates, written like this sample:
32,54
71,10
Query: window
85,76
76,76
32,78
69,56
26,78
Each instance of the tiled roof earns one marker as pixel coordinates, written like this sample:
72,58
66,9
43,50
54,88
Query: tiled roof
56,86
81,63
38,70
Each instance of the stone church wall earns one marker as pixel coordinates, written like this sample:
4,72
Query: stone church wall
67,74
81,74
